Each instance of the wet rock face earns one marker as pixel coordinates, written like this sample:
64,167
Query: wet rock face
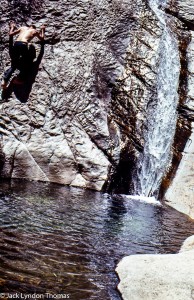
78,117
183,10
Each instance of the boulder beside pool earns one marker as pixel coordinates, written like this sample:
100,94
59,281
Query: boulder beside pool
158,276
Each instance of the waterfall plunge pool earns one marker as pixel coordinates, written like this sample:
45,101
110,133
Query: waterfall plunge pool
62,240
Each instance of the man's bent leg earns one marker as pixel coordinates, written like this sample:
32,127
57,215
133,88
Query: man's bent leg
15,53
19,55
7,75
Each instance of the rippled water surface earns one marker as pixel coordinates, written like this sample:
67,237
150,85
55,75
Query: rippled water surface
64,240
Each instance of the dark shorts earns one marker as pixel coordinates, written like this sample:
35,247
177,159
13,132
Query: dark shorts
19,51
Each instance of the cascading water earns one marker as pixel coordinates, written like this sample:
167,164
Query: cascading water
162,117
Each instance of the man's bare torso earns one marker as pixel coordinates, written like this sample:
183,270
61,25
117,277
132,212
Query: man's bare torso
26,34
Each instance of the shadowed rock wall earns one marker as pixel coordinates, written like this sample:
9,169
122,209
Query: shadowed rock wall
180,180
79,119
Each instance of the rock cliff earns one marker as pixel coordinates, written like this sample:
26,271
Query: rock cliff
78,117
81,115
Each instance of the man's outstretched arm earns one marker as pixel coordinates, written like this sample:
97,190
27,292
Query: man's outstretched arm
41,34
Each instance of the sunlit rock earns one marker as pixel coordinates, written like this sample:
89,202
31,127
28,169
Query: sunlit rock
188,244
158,277
180,194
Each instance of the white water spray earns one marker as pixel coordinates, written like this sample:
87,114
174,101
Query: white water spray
162,120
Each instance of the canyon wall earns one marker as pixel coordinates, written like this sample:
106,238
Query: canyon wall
82,114
78,117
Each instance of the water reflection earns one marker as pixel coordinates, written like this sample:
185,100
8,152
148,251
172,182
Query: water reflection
66,240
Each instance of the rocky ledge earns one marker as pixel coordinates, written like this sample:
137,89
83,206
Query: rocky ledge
158,277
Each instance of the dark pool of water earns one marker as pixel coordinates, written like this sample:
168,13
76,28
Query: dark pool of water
61,240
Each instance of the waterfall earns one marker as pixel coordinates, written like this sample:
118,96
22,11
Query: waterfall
162,116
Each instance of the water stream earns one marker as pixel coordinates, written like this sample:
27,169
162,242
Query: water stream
61,240
162,116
